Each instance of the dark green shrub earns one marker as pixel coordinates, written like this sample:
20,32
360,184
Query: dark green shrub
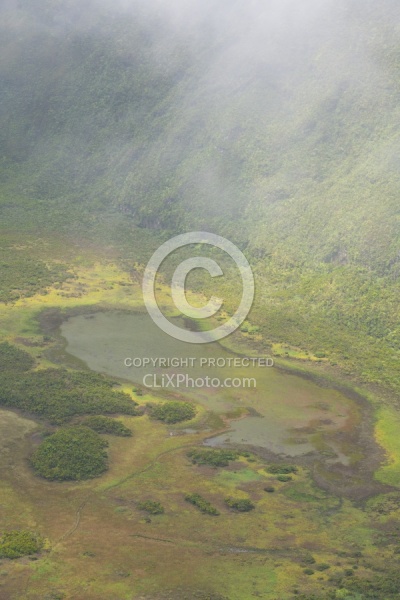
151,507
281,469
269,489
58,394
240,504
308,572
254,329
212,457
202,504
102,424
348,573
323,567
74,453
284,478
14,359
17,543
173,412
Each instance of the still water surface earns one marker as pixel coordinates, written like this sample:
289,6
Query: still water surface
291,412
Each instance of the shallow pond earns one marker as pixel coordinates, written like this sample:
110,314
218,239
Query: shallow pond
288,413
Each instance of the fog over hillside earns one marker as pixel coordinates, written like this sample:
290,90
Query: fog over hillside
273,123
196,111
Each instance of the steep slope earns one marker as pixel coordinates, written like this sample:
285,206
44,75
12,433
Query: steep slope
275,125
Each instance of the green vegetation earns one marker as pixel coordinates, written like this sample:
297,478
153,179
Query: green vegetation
387,434
322,567
248,328
23,276
14,359
212,457
284,478
17,543
173,412
240,504
381,586
350,588
202,504
102,424
151,507
58,394
281,469
73,453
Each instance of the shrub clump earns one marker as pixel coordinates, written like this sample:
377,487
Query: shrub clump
14,359
102,424
173,412
270,489
151,507
17,543
240,504
202,504
74,453
281,469
284,478
323,567
211,457
309,560
58,394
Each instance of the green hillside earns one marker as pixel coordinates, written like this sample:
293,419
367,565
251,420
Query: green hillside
114,109
281,134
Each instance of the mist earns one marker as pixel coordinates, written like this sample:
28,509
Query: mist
182,113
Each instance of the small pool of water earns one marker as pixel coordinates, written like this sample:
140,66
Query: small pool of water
292,412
